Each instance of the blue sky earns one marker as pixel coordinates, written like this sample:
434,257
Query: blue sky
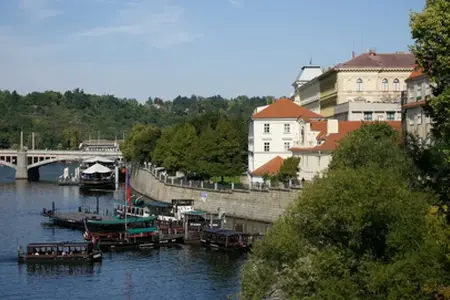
142,48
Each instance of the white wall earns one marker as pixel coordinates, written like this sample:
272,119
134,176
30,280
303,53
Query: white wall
276,139
312,163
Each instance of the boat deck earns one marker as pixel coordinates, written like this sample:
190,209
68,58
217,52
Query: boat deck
80,216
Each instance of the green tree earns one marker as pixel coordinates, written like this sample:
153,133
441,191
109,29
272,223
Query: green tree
354,234
163,145
289,169
430,31
375,143
141,142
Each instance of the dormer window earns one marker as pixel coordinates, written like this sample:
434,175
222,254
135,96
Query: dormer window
359,85
385,85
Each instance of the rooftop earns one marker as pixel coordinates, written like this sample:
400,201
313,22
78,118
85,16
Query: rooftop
271,167
372,59
331,141
416,73
285,108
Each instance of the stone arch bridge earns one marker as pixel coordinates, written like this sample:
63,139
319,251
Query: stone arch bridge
28,162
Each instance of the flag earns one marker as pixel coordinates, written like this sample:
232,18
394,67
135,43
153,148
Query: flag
128,187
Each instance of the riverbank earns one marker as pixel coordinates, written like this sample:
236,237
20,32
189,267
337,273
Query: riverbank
257,205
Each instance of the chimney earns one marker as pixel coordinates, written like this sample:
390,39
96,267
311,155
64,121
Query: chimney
353,54
372,52
332,126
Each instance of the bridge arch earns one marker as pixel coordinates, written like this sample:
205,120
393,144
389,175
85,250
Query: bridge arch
7,164
51,161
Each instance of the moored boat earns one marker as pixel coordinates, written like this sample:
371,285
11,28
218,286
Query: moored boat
60,252
97,177
226,239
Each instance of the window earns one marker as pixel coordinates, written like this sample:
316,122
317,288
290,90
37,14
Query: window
359,85
419,91
419,118
396,85
266,146
390,115
287,128
427,119
266,128
302,134
411,93
287,146
385,84
368,116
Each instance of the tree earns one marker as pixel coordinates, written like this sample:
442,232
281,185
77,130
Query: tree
430,31
289,169
141,142
354,234
376,143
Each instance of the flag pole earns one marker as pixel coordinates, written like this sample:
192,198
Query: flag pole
126,201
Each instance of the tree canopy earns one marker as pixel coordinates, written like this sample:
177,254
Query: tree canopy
63,120
359,232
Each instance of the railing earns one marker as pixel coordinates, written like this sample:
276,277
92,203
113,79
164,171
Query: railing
162,176
62,152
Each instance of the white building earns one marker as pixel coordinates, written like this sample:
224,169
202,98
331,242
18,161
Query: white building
416,120
272,131
318,141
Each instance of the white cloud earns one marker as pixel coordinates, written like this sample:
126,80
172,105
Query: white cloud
159,25
235,2
39,9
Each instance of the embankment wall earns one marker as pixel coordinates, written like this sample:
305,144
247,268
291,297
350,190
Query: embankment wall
259,205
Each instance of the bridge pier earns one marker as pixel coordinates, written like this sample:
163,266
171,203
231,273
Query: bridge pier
21,167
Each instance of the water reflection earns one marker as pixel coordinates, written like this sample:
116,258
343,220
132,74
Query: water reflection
57,270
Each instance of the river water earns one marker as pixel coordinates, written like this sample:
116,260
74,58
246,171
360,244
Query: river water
188,272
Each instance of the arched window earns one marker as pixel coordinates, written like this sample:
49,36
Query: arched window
396,84
385,84
359,85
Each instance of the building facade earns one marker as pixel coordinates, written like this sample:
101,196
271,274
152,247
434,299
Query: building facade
307,89
272,132
416,120
372,81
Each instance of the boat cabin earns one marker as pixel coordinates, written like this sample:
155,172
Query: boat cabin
59,251
181,205
152,208
226,239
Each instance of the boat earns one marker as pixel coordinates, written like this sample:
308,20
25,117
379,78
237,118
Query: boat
97,177
116,234
60,252
226,239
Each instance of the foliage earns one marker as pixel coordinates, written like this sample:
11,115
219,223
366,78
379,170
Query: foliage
63,120
354,234
440,108
289,169
375,143
141,142
208,146
430,31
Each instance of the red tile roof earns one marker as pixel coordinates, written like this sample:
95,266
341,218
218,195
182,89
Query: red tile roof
285,108
331,141
380,60
416,73
271,167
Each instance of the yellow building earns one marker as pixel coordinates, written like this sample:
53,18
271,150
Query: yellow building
367,87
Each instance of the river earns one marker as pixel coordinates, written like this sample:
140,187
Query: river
189,272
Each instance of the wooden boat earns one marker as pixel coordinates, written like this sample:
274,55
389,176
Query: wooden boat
147,236
225,239
60,252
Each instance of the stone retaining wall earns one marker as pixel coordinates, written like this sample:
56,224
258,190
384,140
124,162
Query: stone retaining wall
260,205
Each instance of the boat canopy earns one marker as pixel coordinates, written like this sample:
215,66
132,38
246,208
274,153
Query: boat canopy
142,230
99,159
122,221
194,213
97,168
60,244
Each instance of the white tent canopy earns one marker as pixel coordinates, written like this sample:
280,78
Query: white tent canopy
99,159
97,168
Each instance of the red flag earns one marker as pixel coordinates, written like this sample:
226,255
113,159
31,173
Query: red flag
128,187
